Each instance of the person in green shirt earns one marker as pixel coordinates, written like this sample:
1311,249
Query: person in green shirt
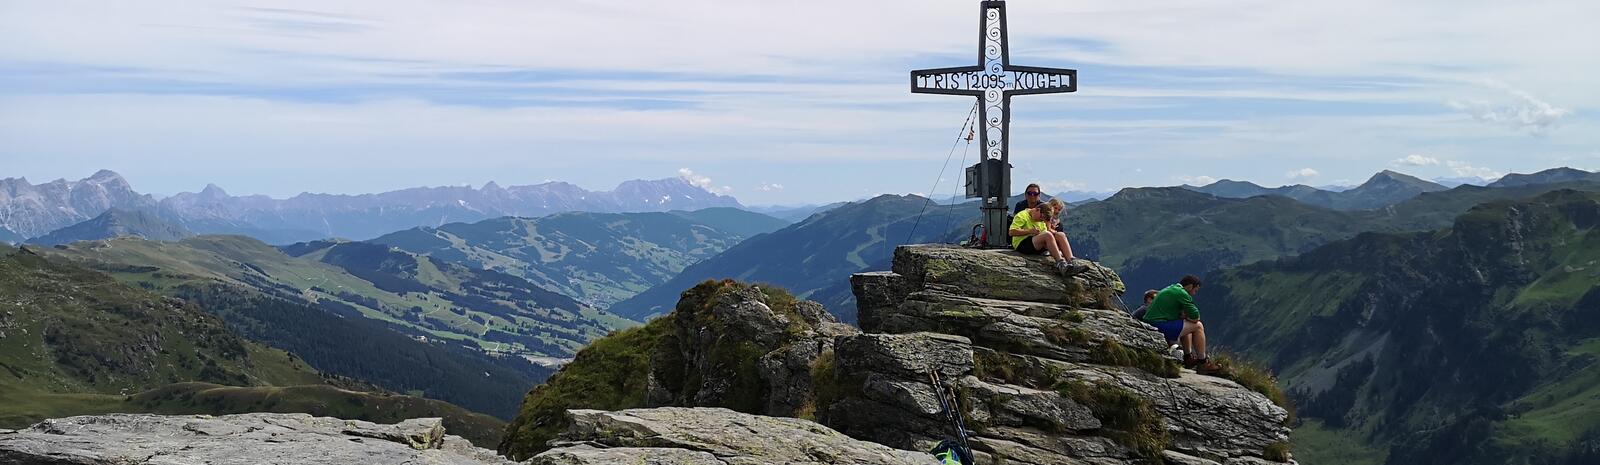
1174,313
1032,233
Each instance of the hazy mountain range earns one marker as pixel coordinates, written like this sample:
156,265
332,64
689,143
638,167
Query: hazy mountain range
28,211
599,258
1383,189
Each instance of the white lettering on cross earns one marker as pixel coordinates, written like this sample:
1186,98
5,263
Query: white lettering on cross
994,80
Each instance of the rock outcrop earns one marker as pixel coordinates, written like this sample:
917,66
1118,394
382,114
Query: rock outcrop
284,439
747,348
711,436
1046,370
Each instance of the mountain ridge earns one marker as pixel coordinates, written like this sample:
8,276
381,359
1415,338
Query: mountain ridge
116,222
1500,303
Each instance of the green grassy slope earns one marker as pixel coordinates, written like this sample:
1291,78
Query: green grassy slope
814,258
738,222
1152,236
1471,344
598,258
75,341
413,293
68,329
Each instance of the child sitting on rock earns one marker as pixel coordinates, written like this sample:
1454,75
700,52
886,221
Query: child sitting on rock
1032,233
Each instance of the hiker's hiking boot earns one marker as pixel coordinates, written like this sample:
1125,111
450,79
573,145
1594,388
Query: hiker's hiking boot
1072,268
1209,368
1190,362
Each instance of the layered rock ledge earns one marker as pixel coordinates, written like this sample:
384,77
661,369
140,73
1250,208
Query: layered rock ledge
711,436
255,438
1049,370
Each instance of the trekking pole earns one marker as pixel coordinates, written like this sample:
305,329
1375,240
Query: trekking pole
944,408
952,408
960,422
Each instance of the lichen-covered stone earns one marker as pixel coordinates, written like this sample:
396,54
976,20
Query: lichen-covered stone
729,437
285,439
1003,275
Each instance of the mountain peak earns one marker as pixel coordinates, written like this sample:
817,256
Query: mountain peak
105,176
212,191
1393,177
1549,176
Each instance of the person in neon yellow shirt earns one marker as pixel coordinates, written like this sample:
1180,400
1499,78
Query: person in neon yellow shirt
1032,233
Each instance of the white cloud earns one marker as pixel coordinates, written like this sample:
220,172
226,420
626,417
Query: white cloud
1058,186
1196,180
770,187
1415,160
1465,170
1302,173
702,182
1517,110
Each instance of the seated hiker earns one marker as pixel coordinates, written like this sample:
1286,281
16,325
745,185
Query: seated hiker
1185,342
1032,234
1149,295
1174,313
1031,198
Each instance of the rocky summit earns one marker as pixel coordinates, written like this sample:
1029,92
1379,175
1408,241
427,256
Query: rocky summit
1048,369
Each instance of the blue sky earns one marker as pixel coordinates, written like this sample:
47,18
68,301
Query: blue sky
783,102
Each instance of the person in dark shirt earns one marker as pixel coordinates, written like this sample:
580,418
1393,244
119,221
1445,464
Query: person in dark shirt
1032,197
1148,296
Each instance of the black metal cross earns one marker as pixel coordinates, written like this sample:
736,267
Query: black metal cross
993,81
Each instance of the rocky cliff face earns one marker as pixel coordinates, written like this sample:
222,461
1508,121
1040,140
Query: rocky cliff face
29,210
1045,370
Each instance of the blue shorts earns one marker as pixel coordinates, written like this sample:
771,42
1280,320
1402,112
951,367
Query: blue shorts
1171,329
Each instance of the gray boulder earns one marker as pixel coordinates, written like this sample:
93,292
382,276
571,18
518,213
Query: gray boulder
676,435
1003,275
284,439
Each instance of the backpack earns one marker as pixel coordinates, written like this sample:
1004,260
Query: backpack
950,452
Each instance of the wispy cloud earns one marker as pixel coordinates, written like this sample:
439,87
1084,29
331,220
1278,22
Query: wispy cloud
1415,160
1301,174
1465,170
1517,109
1196,180
702,182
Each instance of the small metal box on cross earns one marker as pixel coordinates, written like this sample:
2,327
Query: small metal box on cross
993,81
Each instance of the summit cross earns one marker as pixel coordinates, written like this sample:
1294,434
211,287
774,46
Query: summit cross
993,81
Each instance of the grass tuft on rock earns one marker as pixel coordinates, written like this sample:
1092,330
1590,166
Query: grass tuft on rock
1256,378
609,374
830,386
1127,417
1109,352
1277,452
